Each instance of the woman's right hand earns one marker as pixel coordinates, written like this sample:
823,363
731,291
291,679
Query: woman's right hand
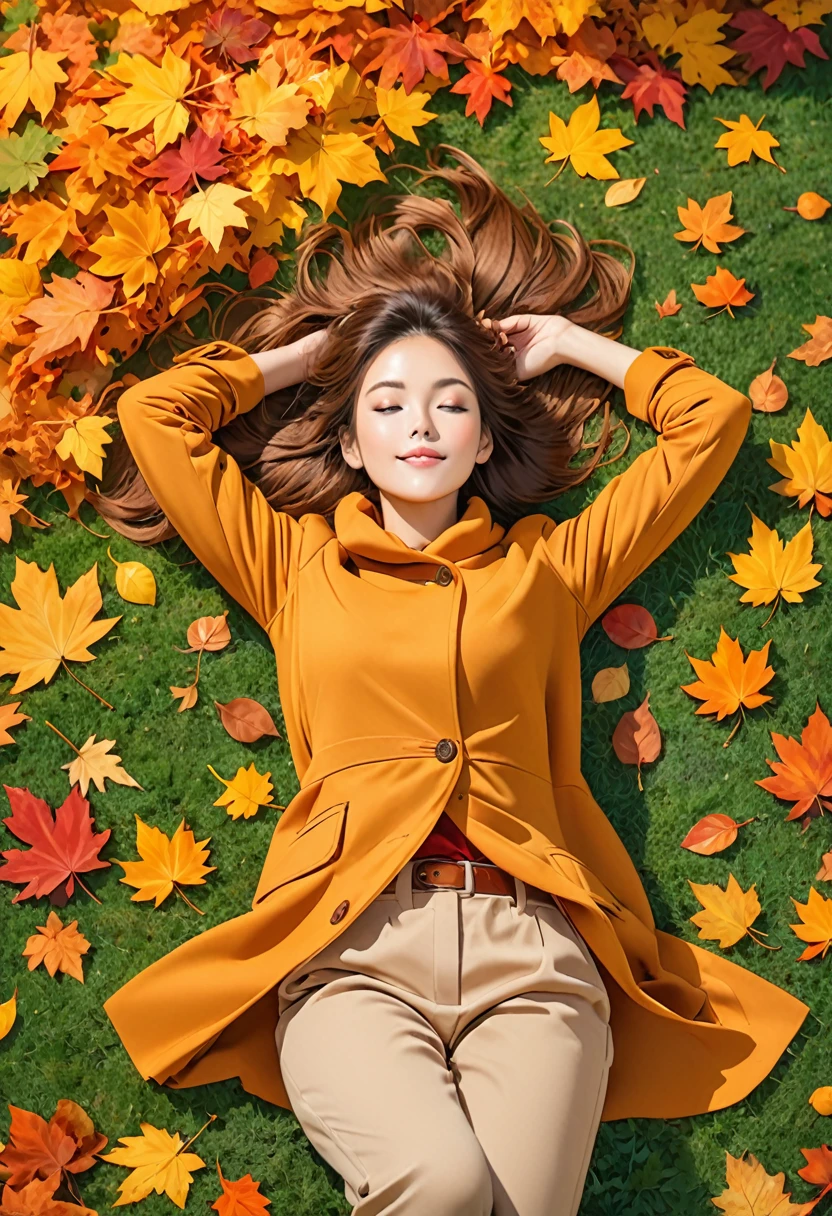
283,366
308,348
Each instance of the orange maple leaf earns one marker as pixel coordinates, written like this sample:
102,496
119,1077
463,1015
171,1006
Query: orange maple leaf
815,926
242,1197
708,225
721,288
729,682
803,775
411,49
670,306
67,1144
820,347
483,84
68,314
749,1182
59,947
586,55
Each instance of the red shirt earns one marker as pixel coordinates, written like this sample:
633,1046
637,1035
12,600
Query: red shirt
446,840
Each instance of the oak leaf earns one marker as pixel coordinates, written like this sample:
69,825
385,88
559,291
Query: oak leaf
770,44
637,738
46,630
59,947
806,466
744,137
713,834
819,348
815,925
245,793
751,1190
772,569
631,626
708,225
650,84
669,306
582,144
722,288
803,774
158,1163
61,849
68,1143
728,682
767,392
165,864
728,914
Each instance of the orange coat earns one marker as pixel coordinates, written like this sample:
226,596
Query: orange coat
448,678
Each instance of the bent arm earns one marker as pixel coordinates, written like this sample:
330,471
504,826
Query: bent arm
701,423
167,420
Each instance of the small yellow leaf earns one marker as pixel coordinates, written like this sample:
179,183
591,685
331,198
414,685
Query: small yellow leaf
821,1100
134,581
245,793
610,683
158,1163
624,191
8,1013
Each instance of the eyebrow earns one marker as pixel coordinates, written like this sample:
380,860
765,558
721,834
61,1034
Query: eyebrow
436,384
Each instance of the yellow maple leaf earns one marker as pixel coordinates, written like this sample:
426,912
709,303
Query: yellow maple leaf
268,110
323,161
46,630
166,862
727,914
29,75
93,763
84,441
697,42
794,13
772,568
158,1163
154,95
816,925
43,227
401,112
245,793
212,210
139,233
58,946
806,465
581,143
546,18
343,94
744,137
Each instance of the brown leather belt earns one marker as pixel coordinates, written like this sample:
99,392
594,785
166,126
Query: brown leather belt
471,877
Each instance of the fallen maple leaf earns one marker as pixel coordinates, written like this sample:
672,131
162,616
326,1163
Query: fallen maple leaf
767,392
235,33
815,926
753,1192
483,84
165,863
154,94
611,683
94,763
8,1013
586,57
817,349
46,630
811,206
806,466
670,306
770,44
819,1168
29,76
697,42
140,233
59,947
245,793
67,314
772,569
411,49
324,160
722,288
651,84
8,719
631,626
713,834
581,143
727,914
158,1162
708,225
744,137
401,112
83,441
68,1143
195,156
729,682
637,738
803,775
61,849
240,1198
267,109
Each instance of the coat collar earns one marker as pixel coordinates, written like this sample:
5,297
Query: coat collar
359,527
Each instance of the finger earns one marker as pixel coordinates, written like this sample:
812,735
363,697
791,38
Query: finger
514,324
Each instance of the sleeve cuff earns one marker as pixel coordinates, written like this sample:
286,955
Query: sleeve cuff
235,365
645,374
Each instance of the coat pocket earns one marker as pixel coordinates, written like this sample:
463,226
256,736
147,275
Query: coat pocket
315,846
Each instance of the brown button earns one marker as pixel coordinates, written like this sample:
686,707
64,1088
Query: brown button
445,750
340,912
443,576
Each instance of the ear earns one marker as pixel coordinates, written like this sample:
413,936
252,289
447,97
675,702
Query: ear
349,450
486,446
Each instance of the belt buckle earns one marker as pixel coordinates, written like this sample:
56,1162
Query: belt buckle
468,889
467,864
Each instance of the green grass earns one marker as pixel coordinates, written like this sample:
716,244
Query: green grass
63,1044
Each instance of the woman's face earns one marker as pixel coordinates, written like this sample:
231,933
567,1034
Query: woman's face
416,394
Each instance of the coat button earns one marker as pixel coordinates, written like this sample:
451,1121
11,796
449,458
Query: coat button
445,750
443,576
340,912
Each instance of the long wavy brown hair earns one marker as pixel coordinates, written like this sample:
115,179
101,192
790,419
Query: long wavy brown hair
380,282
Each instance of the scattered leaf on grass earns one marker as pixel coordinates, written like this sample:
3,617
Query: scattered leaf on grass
811,206
611,683
670,306
768,393
728,682
624,191
744,138
771,568
158,1162
135,582
8,1013
8,719
806,465
165,863
61,849
631,626
708,225
813,352
240,1198
637,738
58,946
581,143
245,793
713,834
816,925
246,720
803,774
722,291
728,914
68,1143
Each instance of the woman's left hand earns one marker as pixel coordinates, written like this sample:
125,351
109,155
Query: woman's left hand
538,341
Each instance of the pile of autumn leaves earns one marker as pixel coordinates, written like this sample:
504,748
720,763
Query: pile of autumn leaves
142,158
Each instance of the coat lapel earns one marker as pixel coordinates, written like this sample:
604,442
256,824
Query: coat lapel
359,528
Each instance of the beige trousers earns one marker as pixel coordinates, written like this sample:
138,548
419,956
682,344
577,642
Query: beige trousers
448,1055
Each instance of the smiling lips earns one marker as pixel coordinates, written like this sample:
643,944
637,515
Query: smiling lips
422,457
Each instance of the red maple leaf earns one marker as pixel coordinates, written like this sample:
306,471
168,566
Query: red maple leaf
803,775
770,44
234,33
651,84
37,1149
61,849
411,49
197,156
482,84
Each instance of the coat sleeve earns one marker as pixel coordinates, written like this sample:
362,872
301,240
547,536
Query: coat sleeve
701,423
167,420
